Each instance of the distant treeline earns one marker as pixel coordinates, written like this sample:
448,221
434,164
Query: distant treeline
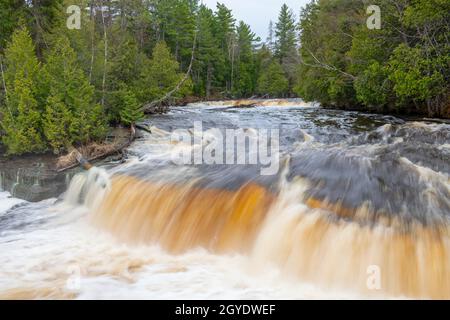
402,67
62,85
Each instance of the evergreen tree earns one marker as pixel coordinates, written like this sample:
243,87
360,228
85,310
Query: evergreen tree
272,81
126,64
286,44
131,111
21,116
325,74
209,58
402,67
285,32
263,58
224,32
245,81
71,116
11,11
43,16
161,76
177,22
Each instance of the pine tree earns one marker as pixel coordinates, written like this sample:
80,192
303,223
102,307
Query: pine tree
58,123
263,58
272,81
224,32
286,44
70,106
131,109
285,32
126,64
209,58
245,81
43,16
177,20
10,13
160,76
22,119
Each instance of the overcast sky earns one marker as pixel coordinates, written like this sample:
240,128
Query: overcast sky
258,13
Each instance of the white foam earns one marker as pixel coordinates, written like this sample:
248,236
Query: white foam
7,201
75,258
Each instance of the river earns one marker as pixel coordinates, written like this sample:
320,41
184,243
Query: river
354,206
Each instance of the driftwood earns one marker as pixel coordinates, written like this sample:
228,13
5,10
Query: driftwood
143,128
3,79
434,120
86,163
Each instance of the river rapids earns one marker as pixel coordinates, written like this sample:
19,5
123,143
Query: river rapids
358,208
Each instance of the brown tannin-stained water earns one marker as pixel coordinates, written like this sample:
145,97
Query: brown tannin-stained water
359,208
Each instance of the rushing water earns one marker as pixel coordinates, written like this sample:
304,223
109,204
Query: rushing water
355,193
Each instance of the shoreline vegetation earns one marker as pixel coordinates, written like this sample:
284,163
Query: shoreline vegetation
120,138
65,87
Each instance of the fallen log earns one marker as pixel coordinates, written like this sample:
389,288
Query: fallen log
76,157
144,128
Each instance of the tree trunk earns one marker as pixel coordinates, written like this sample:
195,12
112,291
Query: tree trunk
105,40
208,81
92,41
3,79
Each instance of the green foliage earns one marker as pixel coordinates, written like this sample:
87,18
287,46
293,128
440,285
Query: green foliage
209,55
42,16
161,75
414,75
285,31
372,86
131,111
22,134
21,116
125,66
132,52
58,124
245,78
286,44
72,116
325,27
177,23
10,13
402,67
272,81
224,31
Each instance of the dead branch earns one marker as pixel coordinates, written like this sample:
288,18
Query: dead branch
92,153
325,66
3,79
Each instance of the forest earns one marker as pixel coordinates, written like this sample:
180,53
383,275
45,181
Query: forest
70,69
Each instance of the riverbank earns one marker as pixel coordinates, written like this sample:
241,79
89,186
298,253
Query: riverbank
35,177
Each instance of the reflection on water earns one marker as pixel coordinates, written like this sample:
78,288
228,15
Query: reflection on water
354,191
